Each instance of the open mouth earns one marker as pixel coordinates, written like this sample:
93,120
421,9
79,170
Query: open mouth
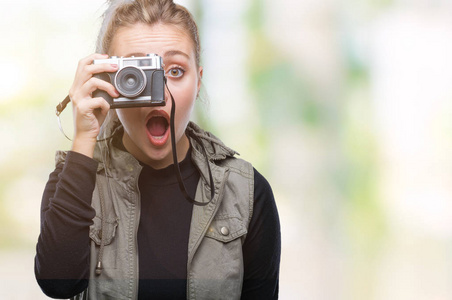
158,127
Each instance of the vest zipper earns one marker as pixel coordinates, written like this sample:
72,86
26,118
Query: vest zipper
137,212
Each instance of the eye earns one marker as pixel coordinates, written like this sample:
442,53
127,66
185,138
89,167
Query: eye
175,72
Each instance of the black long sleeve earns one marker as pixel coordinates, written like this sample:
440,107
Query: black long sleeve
62,251
62,259
262,246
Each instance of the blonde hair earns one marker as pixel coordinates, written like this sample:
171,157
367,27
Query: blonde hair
122,13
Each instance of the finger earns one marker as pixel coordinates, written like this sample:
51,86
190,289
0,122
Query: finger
83,90
90,58
81,76
89,106
101,110
83,72
100,103
95,83
100,68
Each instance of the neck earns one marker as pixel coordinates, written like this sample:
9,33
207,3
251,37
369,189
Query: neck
159,160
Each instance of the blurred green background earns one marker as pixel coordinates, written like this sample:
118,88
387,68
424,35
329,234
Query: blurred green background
344,105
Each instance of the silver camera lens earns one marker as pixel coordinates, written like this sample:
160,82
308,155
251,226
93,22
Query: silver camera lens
130,81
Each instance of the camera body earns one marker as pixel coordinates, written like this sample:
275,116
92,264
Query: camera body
140,81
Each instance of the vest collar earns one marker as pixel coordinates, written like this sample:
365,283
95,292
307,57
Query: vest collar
215,148
121,162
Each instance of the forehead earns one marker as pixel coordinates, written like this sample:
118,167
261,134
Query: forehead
144,38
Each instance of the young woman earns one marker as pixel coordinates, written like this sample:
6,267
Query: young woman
115,223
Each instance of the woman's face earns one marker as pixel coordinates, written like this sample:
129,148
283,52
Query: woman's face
146,129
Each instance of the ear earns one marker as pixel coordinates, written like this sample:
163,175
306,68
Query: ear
200,69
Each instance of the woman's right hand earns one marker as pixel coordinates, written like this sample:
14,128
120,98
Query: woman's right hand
89,113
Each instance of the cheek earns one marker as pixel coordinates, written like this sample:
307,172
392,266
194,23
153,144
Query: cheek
127,117
185,89
184,96
184,106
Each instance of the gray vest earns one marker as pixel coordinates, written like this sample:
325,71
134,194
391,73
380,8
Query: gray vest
217,230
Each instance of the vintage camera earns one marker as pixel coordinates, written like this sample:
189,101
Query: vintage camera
140,81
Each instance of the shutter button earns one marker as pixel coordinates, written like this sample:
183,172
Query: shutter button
224,231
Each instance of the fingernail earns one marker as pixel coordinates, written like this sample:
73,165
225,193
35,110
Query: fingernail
114,65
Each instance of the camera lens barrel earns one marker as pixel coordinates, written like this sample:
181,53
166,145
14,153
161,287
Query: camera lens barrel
130,81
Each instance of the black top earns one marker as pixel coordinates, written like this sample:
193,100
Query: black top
62,255
164,230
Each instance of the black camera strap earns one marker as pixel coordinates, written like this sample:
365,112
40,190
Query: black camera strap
62,105
176,162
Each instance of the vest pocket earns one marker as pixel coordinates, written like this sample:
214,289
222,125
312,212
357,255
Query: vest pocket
216,271
226,229
96,231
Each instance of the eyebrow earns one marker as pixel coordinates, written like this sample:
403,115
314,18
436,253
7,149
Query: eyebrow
166,54
136,54
175,52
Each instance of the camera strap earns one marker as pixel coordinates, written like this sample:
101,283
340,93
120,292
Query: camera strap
62,105
176,162
59,109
